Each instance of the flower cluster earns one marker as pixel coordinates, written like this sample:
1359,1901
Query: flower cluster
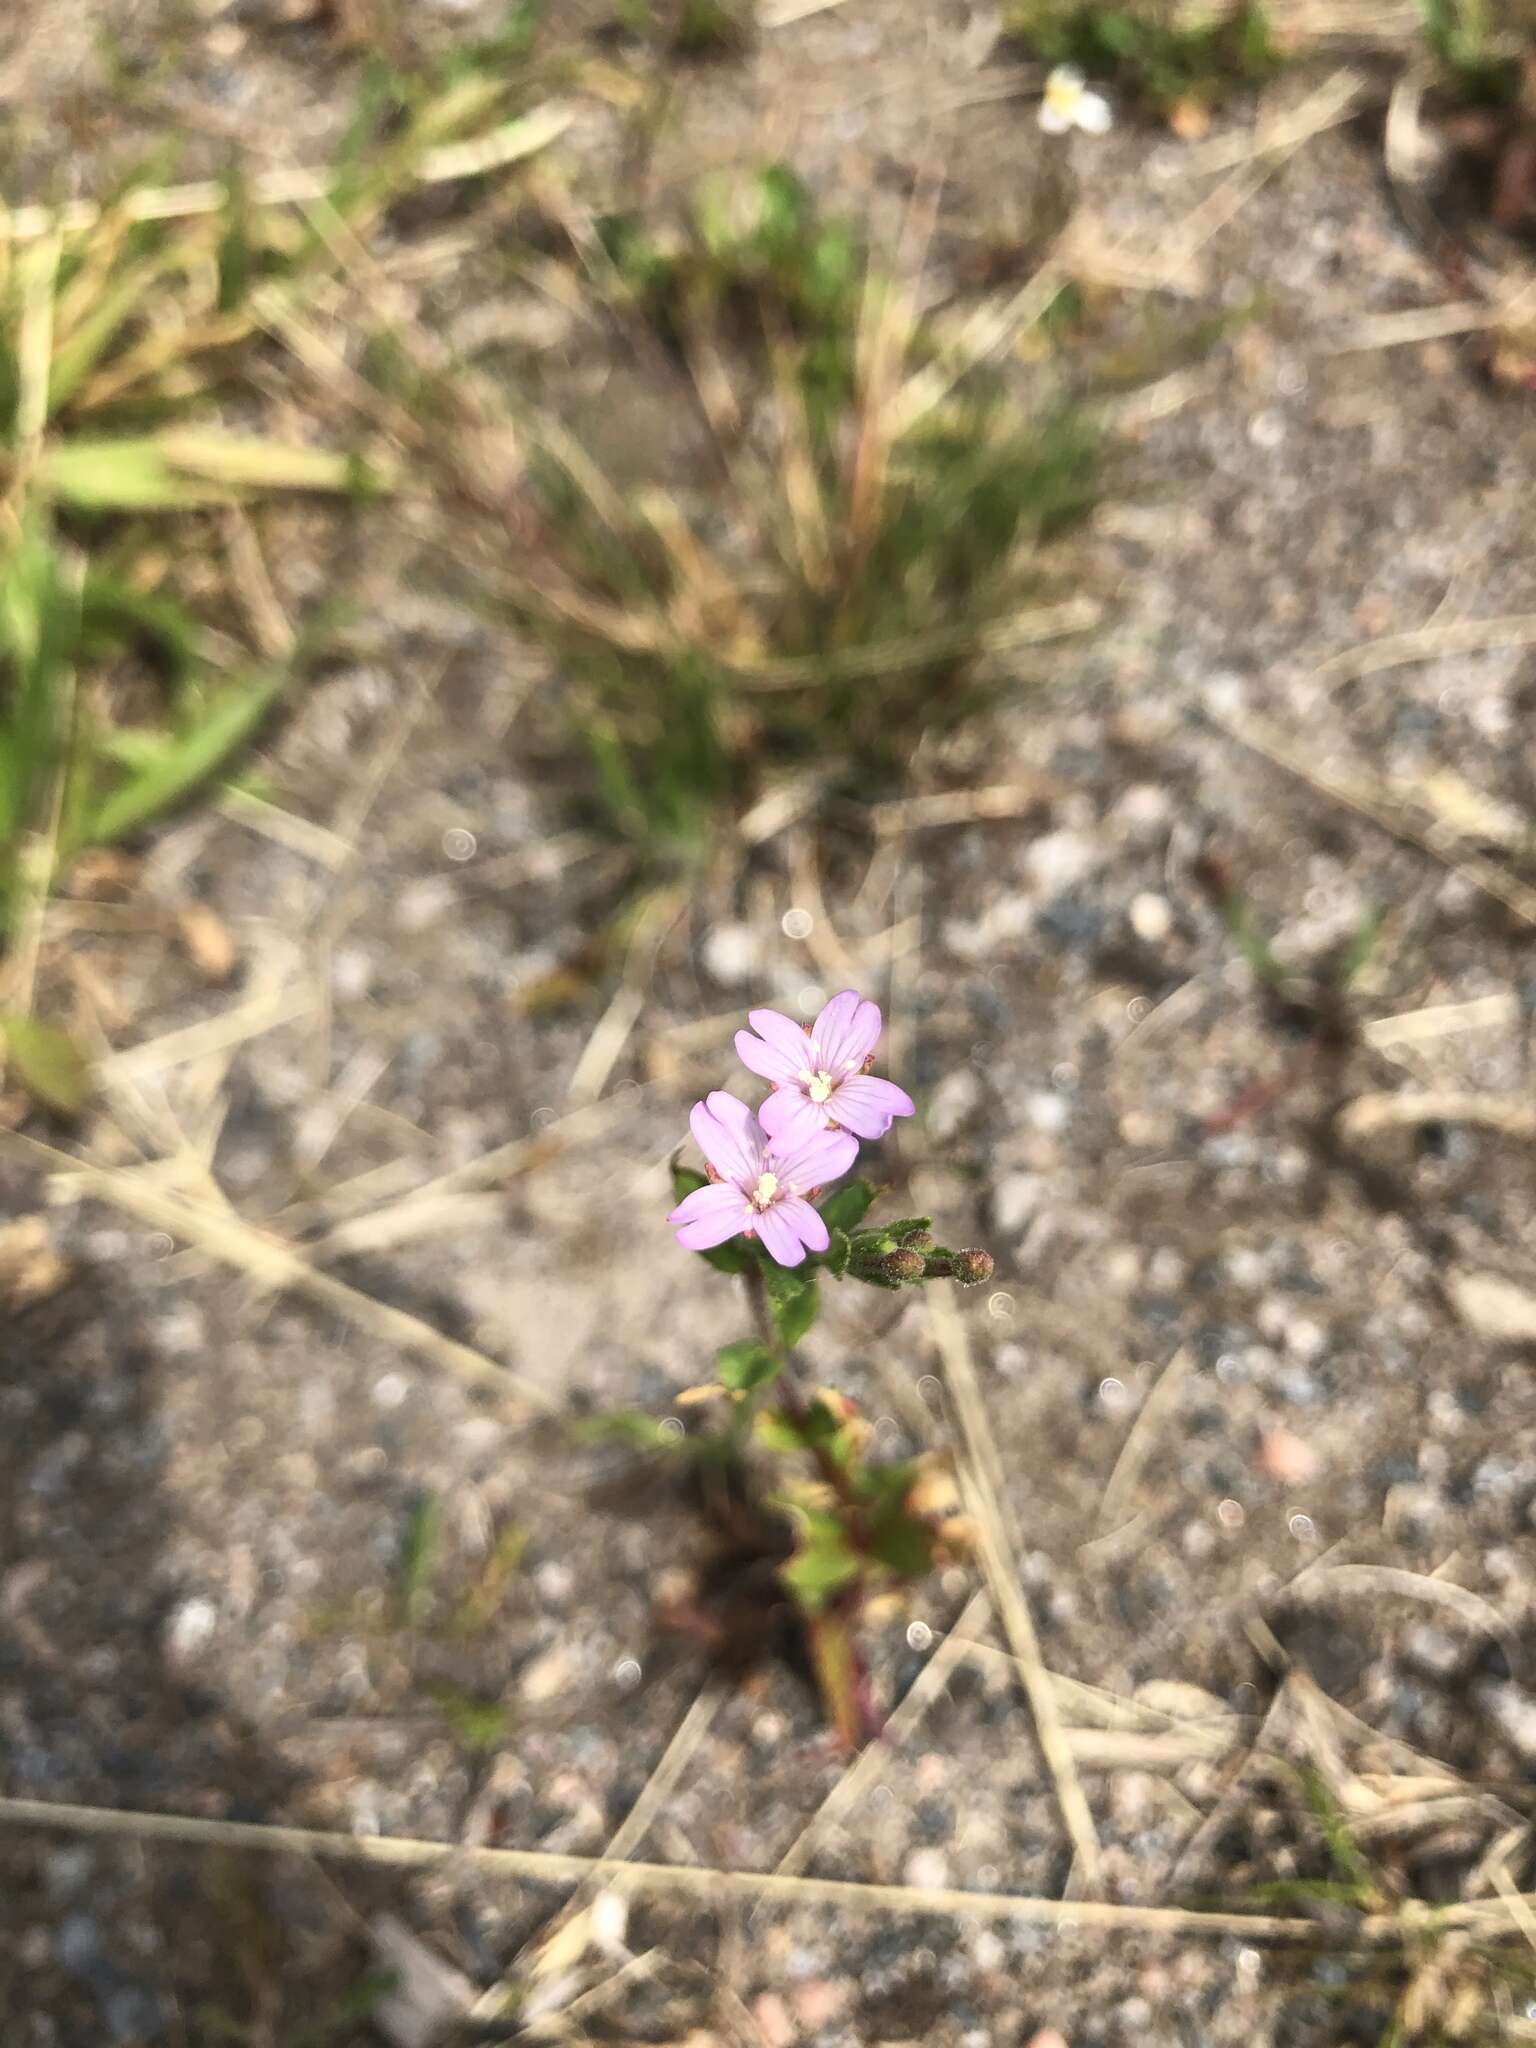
766,1170
1068,103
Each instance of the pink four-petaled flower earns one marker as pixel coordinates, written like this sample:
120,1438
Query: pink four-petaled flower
819,1076
764,1181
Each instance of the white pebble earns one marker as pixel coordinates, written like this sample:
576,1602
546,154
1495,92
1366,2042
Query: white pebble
190,1629
730,954
1151,917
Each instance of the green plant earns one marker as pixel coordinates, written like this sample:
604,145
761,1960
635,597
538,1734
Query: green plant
837,1525
1478,48
1437,1983
1166,54
830,592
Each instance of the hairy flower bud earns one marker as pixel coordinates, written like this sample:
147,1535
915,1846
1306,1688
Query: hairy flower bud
919,1240
903,1266
973,1266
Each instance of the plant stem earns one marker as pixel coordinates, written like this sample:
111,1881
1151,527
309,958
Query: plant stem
791,1395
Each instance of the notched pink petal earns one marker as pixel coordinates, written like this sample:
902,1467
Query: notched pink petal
765,1059
709,1216
726,1132
780,1239
847,1031
783,1034
866,1106
805,1222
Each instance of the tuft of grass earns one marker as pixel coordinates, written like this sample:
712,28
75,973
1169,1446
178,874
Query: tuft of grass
829,595
1478,47
1161,54
700,30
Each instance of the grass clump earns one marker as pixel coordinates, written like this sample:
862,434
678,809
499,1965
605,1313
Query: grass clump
1166,55
698,30
826,596
1480,48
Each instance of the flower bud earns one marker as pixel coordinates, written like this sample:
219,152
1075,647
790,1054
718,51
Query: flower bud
973,1266
919,1240
904,1266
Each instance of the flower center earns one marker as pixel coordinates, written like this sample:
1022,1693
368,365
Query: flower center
820,1086
766,1191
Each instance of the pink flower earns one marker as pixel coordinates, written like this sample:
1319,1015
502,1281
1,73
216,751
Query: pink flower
763,1181
819,1076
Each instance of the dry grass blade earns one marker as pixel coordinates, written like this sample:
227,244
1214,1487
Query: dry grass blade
1363,793
1323,1582
1385,1112
273,1264
1124,1478
920,1695
509,144
1500,1011
980,1475
631,1831
1428,643
543,1866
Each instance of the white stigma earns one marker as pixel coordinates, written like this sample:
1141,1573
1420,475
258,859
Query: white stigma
820,1086
763,1195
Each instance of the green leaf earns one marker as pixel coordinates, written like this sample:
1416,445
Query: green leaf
835,1257
746,1366
420,1548
904,1226
825,1562
792,1299
187,758
847,1207
901,1542
628,1426
48,1063
480,1725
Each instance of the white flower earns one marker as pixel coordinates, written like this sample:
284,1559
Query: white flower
1069,104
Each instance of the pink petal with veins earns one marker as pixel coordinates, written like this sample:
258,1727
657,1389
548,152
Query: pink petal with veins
847,1031
866,1105
808,1158
780,1238
727,1133
709,1216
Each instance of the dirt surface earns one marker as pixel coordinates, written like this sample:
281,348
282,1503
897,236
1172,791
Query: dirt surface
207,1488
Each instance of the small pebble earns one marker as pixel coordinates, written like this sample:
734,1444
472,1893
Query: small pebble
928,1869
1286,1458
1151,917
190,1629
730,954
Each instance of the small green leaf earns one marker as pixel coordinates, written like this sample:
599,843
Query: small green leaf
480,1725
901,1542
628,1426
823,1565
835,1257
794,1302
846,1208
188,758
48,1063
904,1226
746,1366
419,1553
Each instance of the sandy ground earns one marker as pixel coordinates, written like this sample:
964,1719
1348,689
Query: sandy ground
206,1487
